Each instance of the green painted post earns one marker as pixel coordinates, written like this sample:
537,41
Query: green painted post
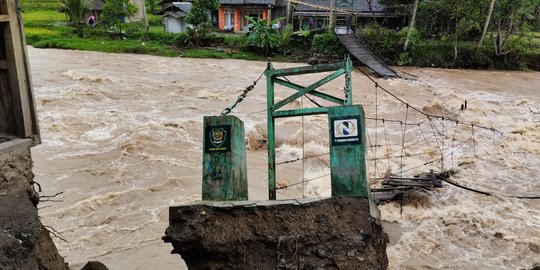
271,133
224,159
348,151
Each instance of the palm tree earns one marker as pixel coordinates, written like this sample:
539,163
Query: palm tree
76,11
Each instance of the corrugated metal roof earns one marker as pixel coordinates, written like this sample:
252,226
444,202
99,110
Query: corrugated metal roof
231,2
183,6
176,14
248,2
162,2
260,2
180,7
280,3
359,6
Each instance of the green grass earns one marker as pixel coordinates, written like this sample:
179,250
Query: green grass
157,29
43,16
209,53
40,5
107,45
154,20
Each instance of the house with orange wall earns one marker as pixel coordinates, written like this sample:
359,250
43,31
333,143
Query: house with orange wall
232,13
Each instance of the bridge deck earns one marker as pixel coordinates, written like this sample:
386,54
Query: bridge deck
360,52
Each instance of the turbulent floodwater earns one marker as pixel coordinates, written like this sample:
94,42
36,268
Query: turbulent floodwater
122,141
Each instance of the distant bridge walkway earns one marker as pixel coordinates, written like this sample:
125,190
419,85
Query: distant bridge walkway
350,40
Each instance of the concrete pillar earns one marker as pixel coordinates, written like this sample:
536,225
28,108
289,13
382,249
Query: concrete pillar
221,18
224,159
348,151
237,19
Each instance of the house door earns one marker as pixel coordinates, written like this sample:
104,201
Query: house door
229,19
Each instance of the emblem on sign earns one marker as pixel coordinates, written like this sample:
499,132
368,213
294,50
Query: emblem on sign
345,128
217,139
217,136
345,131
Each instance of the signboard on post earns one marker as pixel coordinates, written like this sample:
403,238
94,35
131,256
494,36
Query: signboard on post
345,130
347,151
224,159
218,139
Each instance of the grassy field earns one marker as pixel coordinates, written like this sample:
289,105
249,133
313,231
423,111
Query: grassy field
35,16
40,5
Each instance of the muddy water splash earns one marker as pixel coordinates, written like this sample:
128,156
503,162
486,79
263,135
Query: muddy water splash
122,141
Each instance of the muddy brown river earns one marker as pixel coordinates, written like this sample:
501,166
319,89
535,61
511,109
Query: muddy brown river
122,142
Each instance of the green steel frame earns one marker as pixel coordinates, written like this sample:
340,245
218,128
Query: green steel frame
277,76
344,4
341,7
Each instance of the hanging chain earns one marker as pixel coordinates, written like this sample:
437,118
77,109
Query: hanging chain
242,96
346,88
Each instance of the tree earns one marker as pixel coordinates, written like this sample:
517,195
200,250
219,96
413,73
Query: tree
76,11
199,19
115,11
486,24
457,15
263,35
411,26
152,4
511,17
537,18
146,32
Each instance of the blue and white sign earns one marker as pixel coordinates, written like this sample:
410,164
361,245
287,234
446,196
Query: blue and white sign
345,131
345,128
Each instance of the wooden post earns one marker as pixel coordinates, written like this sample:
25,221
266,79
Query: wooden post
289,13
18,108
331,19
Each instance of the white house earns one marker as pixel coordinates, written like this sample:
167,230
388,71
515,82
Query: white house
174,15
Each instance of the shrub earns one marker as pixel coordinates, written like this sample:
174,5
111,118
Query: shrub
326,43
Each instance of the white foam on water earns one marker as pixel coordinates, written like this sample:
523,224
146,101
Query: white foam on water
123,141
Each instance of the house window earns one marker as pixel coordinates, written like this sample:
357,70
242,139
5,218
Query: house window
253,13
229,19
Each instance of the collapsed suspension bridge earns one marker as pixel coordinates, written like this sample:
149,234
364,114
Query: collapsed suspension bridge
405,144
349,39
